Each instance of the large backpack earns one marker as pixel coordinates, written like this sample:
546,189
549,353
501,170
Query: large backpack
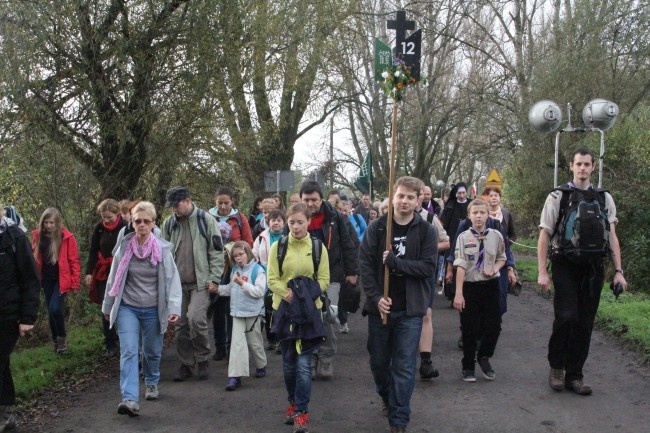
582,226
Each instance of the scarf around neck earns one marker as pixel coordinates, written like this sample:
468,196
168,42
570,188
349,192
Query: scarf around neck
111,227
480,263
150,249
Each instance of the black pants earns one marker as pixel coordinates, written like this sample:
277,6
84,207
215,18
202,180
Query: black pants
8,338
577,295
222,322
481,318
110,334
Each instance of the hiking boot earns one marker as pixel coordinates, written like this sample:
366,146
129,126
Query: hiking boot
128,407
220,353
183,373
151,392
578,386
112,351
488,372
61,345
202,372
427,371
7,418
325,369
398,429
344,329
233,383
300,420
556,379
260,372
291,410
468,376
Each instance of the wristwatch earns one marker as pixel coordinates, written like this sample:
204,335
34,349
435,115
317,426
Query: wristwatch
510,268
619,270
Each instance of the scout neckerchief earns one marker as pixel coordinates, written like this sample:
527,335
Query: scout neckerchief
481,249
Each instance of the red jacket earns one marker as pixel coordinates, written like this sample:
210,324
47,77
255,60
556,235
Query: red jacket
69,264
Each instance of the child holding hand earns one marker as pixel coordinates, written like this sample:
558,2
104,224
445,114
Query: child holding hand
479,255
246,291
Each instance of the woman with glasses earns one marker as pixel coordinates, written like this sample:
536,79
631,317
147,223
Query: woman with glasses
143,295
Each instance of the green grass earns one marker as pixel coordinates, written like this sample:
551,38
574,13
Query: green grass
628,319
39,368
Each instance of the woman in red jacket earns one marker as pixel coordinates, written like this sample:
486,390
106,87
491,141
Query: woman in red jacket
57,258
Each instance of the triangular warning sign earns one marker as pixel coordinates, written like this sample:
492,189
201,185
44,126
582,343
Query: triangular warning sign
494,178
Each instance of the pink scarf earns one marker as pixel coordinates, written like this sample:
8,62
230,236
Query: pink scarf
150,248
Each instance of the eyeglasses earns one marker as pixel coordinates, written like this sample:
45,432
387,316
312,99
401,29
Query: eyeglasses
139,221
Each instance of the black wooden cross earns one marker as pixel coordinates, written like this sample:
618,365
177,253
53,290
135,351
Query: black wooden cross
400,25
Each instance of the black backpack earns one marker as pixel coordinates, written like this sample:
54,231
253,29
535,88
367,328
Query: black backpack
582,226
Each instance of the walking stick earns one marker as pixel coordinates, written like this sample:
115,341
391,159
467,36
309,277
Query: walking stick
389,221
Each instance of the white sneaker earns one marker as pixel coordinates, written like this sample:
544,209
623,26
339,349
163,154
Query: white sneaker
128,407
151,393
344,329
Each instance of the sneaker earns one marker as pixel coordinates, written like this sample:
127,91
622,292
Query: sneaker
578,386
427,371
291,410
556,379
300,420
233,383
325,369
488,372
202,370
344,329
468,376
183,373
260,372
398,429
151,392
128,407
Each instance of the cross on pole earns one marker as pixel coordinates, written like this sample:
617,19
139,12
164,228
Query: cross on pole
400,25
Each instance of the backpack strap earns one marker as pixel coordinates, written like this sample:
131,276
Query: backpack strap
430,217
282,252
316,248
565,190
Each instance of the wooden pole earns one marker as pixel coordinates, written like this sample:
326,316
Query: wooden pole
389,221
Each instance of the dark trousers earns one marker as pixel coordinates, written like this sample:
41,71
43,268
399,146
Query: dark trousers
481,318
54,300
577,295
8,338
222,322
110,334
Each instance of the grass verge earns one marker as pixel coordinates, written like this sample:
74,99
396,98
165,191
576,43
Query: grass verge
627,318
39,368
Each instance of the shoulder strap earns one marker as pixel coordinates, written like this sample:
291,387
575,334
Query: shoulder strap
240,224
203,225
356,218
565,190
282,252
316,248
429,217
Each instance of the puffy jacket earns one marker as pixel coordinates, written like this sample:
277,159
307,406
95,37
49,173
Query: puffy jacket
170,293
246,300
19,279
68,262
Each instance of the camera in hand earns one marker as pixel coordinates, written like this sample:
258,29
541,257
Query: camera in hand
617,289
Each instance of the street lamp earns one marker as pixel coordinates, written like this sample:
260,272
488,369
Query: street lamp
598,115
440,184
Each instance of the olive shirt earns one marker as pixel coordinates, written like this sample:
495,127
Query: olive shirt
467,249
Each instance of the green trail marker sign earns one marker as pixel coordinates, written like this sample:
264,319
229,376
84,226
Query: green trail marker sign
383,58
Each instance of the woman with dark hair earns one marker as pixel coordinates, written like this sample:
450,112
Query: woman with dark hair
100,257
57,259
256,212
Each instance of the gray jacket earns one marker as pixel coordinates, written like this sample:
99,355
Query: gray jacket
170,293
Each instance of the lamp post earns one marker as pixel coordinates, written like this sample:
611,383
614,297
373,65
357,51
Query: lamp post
598,116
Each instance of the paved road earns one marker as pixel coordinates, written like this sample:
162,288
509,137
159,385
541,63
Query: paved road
519,400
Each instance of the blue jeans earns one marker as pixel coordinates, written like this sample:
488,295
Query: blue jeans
297,373
54,301
131,322
393,352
